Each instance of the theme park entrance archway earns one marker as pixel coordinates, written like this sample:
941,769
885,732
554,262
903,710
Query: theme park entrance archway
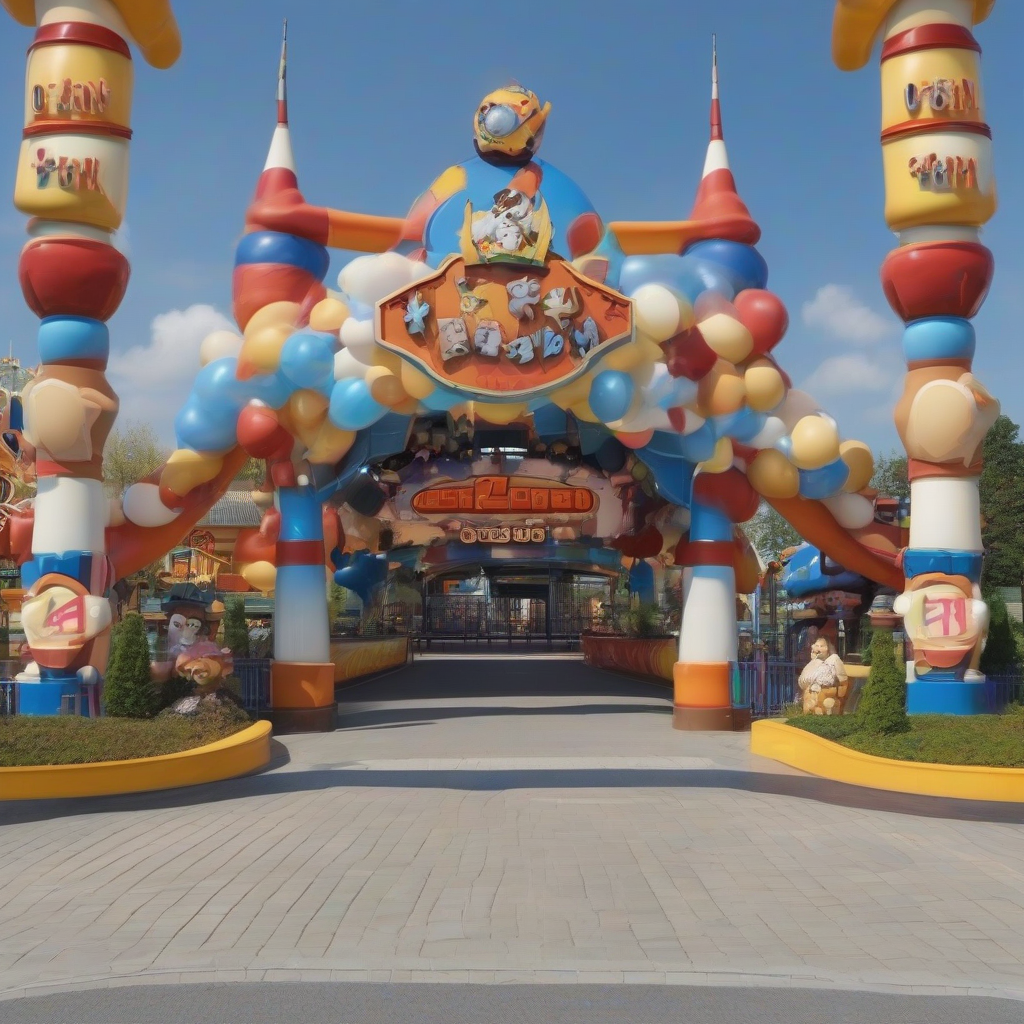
626,372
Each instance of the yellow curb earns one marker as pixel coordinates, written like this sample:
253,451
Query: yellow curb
828,760
234,755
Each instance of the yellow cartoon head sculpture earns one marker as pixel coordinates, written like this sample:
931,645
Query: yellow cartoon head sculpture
509,123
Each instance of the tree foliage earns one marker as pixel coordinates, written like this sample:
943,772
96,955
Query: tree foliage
132,452
883,706
890,479
770,533
236,629
1000,651
1002,505
128,691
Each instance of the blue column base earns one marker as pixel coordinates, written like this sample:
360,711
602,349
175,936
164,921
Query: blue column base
945,697
44,697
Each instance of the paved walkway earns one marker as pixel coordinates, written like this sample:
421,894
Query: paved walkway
526,821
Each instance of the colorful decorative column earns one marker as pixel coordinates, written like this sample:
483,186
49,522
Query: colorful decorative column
940,190
72,179
302,675
707,636
721,497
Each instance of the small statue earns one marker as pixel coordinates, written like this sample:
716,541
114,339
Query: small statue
823,682
192,615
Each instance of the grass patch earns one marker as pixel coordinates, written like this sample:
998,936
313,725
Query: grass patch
994,741
69,739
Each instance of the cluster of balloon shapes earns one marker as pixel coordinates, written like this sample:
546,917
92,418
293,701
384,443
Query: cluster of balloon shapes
699,371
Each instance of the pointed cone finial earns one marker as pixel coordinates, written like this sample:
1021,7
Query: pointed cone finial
282,79
716,109
718,204
280,159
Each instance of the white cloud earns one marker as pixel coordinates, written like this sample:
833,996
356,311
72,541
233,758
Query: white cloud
153,380
849,374
838,312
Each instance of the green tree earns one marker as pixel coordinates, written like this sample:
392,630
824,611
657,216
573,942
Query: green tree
236,629
253,470
1001,646
1002,505
132,452
128,691
890,479
770,533
883,706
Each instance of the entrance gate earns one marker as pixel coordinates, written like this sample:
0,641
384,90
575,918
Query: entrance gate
546,610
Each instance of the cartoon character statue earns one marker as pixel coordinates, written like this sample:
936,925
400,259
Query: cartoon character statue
192,617
823,682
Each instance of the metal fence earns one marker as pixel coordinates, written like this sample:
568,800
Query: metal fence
8,699
254,675
1004,688
766,687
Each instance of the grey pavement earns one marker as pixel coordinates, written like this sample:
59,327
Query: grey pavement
319,1003
529,821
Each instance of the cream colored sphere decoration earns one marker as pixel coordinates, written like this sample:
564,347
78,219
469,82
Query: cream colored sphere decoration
771,474
815,443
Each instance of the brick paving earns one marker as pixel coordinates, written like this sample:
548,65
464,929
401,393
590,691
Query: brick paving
471,823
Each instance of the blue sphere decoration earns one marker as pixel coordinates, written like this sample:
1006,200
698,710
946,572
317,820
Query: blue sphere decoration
743,264
307,359
273,389
217,384
352,405
611,394
206,429
825,482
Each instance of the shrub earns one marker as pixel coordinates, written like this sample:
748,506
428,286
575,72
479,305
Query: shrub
128,691
643,620
174,689
236,629
883,705
1000,651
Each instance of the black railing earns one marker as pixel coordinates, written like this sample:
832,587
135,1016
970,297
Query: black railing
254,675
8,699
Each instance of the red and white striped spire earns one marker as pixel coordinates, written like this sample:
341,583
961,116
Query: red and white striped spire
718,204
281,156
717,157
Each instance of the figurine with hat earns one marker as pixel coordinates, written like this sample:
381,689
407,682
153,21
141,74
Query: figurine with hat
193,616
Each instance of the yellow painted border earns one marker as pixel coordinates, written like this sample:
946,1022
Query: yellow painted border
238,754
828,760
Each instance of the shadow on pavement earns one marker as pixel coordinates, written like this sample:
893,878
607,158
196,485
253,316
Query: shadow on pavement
271,783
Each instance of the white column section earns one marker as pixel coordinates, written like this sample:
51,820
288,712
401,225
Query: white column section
70,515
301,628
708,633
945,512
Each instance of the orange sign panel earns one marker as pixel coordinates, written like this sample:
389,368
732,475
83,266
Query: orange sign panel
504,331
502,494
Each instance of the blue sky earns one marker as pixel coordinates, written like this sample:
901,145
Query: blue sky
381,98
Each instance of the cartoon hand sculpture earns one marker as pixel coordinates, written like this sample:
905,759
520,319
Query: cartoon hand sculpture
945,421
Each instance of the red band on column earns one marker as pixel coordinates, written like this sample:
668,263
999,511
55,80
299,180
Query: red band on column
930,37
83,33
907,128
300,552
709,552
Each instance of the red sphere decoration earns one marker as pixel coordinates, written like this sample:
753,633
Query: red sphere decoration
765,316
937,279
687,354
261,435
729,492
73,277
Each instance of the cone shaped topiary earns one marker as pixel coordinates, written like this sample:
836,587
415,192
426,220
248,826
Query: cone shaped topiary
883,706
236,630
128,690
